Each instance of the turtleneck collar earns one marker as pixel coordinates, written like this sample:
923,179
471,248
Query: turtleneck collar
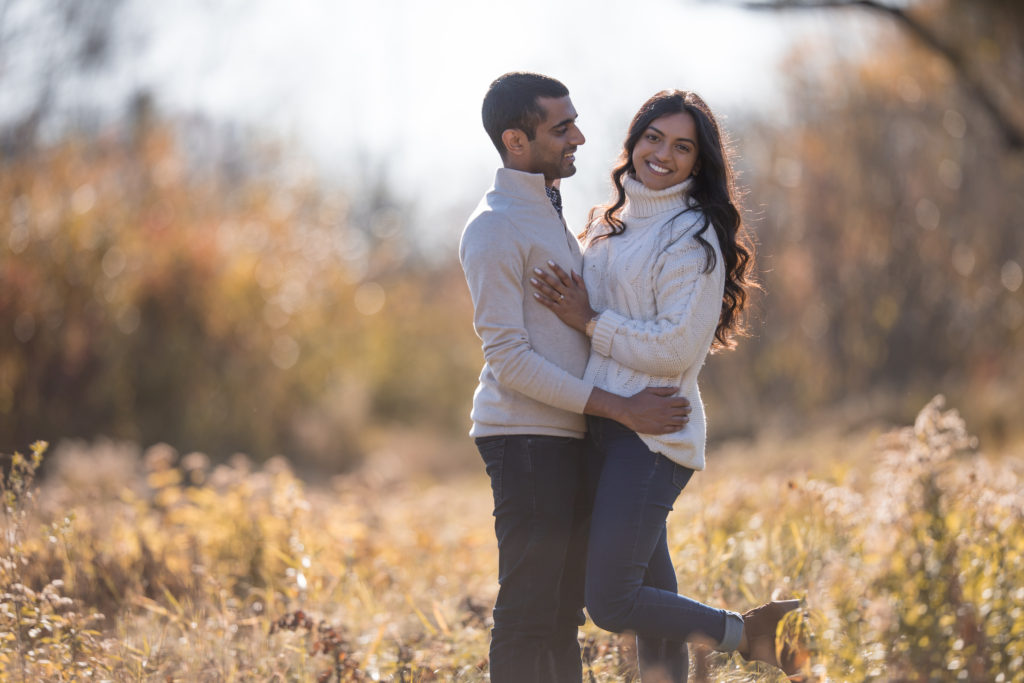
644,202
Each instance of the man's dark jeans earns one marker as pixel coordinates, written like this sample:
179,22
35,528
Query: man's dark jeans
541,520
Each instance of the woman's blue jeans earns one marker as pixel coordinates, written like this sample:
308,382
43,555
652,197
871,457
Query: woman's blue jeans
631,583
541,518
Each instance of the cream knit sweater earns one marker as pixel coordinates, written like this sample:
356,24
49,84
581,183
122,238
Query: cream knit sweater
659,308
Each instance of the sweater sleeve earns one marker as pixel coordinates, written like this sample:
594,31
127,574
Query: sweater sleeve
688,302
494,257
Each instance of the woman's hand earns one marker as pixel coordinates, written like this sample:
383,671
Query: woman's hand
565,294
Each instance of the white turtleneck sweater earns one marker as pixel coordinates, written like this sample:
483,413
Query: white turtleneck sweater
659,306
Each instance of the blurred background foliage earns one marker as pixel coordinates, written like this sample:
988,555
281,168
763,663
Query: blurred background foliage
888,206
152,298
176,279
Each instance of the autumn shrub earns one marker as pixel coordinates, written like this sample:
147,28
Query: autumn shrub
951,538
151,297
909,566
887,210
45,634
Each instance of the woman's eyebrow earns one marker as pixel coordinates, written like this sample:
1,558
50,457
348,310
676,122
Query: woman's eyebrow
655,129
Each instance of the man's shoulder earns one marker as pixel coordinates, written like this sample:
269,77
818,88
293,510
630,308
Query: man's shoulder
486,215
489,236
488,221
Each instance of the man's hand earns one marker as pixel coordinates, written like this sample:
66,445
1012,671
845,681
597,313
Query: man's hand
655,410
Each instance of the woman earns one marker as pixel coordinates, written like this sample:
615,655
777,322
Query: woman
665,277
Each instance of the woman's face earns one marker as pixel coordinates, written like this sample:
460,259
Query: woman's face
666,153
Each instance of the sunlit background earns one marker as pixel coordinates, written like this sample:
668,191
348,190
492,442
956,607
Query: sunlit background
232,226
231,303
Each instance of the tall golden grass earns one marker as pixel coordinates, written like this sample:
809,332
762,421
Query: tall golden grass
127,568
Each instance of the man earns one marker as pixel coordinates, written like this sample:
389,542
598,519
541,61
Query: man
529,405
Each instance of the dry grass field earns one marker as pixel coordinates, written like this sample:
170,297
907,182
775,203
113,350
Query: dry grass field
907,549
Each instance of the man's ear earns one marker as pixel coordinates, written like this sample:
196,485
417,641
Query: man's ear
515,141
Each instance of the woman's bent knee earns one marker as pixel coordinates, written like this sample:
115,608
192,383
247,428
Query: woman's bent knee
610,615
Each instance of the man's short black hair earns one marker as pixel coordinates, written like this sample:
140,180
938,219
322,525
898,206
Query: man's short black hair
511,102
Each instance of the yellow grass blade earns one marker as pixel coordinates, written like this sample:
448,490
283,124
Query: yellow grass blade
439,618
426,623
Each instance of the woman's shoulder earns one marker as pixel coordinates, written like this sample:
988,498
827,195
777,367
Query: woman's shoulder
596,228
681,228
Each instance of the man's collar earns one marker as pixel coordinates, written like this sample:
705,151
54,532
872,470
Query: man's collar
529,186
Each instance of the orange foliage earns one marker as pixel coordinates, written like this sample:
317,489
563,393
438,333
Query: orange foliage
155,300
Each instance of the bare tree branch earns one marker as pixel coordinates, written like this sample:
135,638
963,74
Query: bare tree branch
62,40
972,82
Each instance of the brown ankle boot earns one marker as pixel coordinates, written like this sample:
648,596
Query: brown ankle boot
760,626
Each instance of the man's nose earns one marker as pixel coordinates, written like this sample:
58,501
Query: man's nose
577,137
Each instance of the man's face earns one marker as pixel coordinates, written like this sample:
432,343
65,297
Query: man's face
552,150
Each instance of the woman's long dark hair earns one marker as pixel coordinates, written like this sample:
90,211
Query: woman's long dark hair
714,190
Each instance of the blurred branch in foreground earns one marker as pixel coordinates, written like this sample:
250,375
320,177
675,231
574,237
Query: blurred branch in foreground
887,206
48,51
985,85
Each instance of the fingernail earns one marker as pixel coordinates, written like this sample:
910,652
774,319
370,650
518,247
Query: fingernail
533,280
551,263
536,295
538,270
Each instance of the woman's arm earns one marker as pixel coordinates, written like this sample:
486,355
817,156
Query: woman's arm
493,260
688,302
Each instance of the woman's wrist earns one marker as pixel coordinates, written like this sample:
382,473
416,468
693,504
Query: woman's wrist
591,325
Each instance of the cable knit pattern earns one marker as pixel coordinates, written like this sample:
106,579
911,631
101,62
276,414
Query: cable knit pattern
659,307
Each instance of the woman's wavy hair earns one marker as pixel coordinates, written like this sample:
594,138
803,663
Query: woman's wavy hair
713,187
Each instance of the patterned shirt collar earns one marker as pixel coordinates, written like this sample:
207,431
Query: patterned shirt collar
556,198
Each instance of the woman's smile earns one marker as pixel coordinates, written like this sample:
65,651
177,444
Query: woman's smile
657,168
666,154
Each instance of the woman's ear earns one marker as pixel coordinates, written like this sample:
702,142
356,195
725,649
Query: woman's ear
696,169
